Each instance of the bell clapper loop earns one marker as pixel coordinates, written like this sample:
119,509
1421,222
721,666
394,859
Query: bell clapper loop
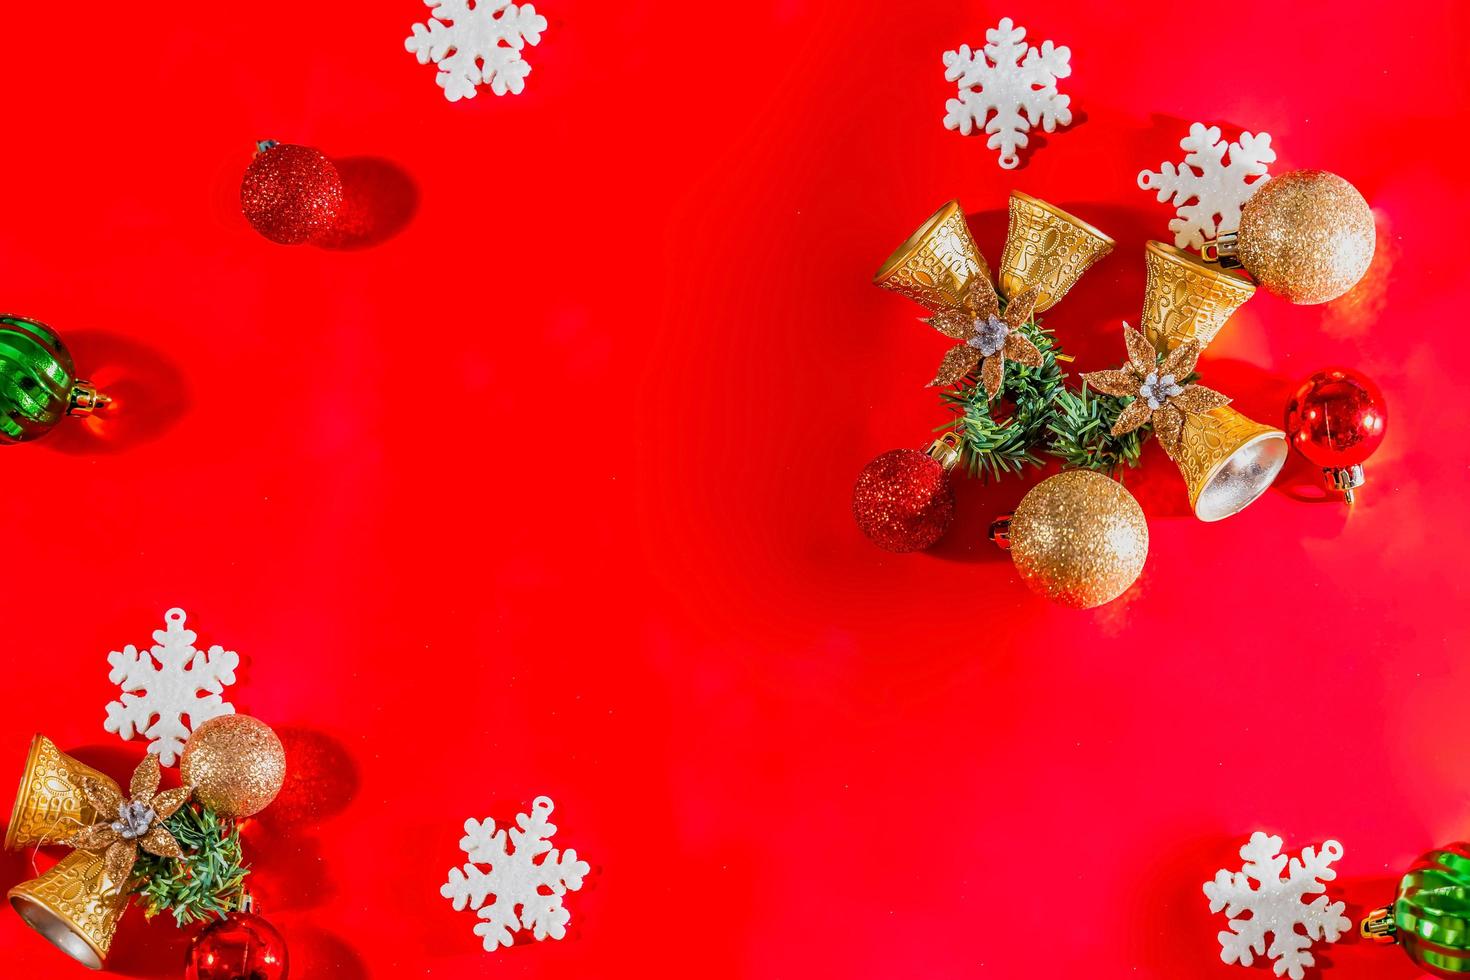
1379,926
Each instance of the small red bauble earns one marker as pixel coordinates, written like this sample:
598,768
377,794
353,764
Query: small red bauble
903,500
1337,419
291,194
243,946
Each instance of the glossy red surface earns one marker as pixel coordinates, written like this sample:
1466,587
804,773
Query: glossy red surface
1336,418
243,947
544,485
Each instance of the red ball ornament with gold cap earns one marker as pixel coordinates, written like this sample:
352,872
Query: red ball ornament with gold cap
291,194
241,946
903,500
1337,419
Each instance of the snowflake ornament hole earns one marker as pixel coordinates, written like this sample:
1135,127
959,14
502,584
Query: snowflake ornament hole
163,685
525,881
1007,88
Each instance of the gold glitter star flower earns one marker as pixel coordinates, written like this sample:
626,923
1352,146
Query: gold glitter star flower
987,337
1158,396
139,821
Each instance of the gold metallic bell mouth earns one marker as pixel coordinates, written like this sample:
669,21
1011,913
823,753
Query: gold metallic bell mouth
75,906
1227,461
1048,249
935,266
1186,298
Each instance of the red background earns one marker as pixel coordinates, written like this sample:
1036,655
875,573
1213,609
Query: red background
547,492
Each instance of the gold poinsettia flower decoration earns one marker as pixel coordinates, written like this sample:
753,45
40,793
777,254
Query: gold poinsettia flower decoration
138,821
986,336
1154,385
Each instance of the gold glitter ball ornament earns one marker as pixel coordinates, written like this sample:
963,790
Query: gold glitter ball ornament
1079,539
1307,236
235,763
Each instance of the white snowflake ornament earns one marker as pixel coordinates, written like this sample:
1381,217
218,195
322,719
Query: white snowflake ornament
477,42
527,891
172,676
1276,906
1016,82
1207,192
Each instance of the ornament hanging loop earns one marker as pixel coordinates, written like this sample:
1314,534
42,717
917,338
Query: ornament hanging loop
1379,926
1223,251
948,449
1000,532
84,399
1345,479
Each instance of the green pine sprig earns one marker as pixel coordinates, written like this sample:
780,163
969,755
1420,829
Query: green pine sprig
994,444
1081,433
206,882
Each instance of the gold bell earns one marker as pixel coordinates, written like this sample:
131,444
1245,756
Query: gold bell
74,905
1227,461
1187,298
935,266
1048,248
50,806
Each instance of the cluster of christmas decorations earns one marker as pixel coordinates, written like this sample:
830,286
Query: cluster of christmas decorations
1428,918
1080,538
175,850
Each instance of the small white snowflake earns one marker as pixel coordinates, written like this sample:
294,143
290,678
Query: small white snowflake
172,688
1016,79
1206,191
485,38
1276,906
516,878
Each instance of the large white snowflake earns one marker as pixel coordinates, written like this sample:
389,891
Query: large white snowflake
1017,83
172,687
1207,192
528,892
1276,906
476,43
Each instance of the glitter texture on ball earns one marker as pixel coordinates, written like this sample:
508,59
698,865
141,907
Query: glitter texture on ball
1307,236
291,194
235,763
903,500
1079,539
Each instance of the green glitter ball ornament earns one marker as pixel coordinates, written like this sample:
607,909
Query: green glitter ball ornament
38,382
1431,917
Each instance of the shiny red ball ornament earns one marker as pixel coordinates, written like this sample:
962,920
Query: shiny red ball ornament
242,946
903,500
291,194
1337,419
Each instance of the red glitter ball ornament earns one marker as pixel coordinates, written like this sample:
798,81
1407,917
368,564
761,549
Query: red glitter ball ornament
903,500
291,194
242,946
1337,419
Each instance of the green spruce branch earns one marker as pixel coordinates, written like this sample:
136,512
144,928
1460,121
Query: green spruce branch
206,882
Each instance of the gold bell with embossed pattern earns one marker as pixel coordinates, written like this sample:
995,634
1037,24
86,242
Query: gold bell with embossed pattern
1227,461
75,905
1186,298
936,265
50,805
1047,248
